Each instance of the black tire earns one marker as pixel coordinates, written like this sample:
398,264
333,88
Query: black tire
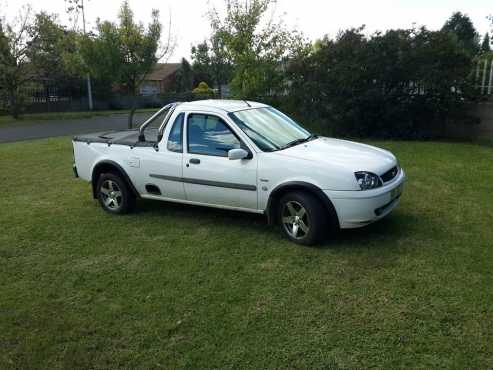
114,194
312,222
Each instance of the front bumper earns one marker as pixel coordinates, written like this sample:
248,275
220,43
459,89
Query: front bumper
359,208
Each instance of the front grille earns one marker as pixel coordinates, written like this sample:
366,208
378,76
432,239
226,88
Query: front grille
390,174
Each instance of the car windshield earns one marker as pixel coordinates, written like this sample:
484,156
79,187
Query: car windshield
270,129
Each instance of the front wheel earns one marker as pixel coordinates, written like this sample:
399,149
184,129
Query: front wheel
302,218
114,194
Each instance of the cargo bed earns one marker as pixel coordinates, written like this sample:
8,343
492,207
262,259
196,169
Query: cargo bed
125,137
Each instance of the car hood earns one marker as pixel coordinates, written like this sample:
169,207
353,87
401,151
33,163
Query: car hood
344,154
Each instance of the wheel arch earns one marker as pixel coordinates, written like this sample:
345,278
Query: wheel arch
280,190
105,166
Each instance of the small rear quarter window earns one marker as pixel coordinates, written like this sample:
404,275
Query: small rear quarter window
175,139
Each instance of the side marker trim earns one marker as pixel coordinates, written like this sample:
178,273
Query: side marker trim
219,184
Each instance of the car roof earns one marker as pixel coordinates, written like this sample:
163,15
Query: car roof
221,104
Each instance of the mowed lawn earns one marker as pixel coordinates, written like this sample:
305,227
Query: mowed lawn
184,287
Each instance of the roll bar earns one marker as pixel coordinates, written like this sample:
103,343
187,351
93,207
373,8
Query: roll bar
142,127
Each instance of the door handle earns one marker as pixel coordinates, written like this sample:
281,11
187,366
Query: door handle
194,161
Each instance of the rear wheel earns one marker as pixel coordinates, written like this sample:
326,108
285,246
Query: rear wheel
114,194
302,218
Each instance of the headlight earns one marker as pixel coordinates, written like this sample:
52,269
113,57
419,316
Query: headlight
367,180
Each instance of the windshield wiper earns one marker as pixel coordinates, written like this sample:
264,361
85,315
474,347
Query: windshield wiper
299,141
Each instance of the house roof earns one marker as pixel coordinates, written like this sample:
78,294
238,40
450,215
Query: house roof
162,71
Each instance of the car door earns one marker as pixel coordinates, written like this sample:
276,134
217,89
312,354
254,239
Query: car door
162,170
209,176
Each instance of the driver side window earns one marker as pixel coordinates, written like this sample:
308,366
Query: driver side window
209,135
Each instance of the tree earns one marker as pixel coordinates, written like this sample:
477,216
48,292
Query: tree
36,50
184,78
15,69
486,44
74,8
101,56
201,63
257,46
462,27
125,52
211,62
221,64
401,83
53,50
140,50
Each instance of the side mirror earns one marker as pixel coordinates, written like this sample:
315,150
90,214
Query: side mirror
235,154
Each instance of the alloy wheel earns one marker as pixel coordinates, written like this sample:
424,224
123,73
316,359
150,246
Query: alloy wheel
295,220
111,194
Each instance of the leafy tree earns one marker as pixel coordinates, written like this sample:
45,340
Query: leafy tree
102,58
74,8
486,44
257,46
401,83
140,50
211,61
53,50
15,68
184,78
462,27
35,49
201,63
125,52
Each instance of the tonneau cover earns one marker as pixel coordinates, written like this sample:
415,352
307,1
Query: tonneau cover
125,137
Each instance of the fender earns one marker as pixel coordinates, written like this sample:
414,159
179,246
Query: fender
103,166
279,190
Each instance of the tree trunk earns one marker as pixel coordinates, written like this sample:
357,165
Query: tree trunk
14,107
132,112
219,89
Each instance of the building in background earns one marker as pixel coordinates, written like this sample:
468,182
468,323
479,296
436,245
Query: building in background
160,80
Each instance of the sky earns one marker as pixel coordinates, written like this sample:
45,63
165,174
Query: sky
314,17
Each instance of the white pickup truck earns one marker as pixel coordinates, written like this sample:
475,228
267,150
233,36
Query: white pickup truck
243,156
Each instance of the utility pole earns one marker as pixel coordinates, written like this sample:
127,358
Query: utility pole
89,87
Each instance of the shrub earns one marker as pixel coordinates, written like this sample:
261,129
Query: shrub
402,83
203,90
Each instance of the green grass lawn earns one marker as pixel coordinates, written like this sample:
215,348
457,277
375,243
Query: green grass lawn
183,287
61,116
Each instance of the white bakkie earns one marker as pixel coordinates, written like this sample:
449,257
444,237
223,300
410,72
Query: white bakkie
243,156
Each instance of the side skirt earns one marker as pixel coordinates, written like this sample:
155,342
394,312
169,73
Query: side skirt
182,201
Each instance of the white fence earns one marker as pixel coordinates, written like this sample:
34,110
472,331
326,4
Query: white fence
484,76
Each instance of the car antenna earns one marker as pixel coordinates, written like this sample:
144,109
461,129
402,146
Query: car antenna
248,104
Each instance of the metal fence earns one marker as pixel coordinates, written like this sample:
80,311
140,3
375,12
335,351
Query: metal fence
42,99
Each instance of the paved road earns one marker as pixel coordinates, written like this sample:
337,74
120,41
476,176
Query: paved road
18,132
